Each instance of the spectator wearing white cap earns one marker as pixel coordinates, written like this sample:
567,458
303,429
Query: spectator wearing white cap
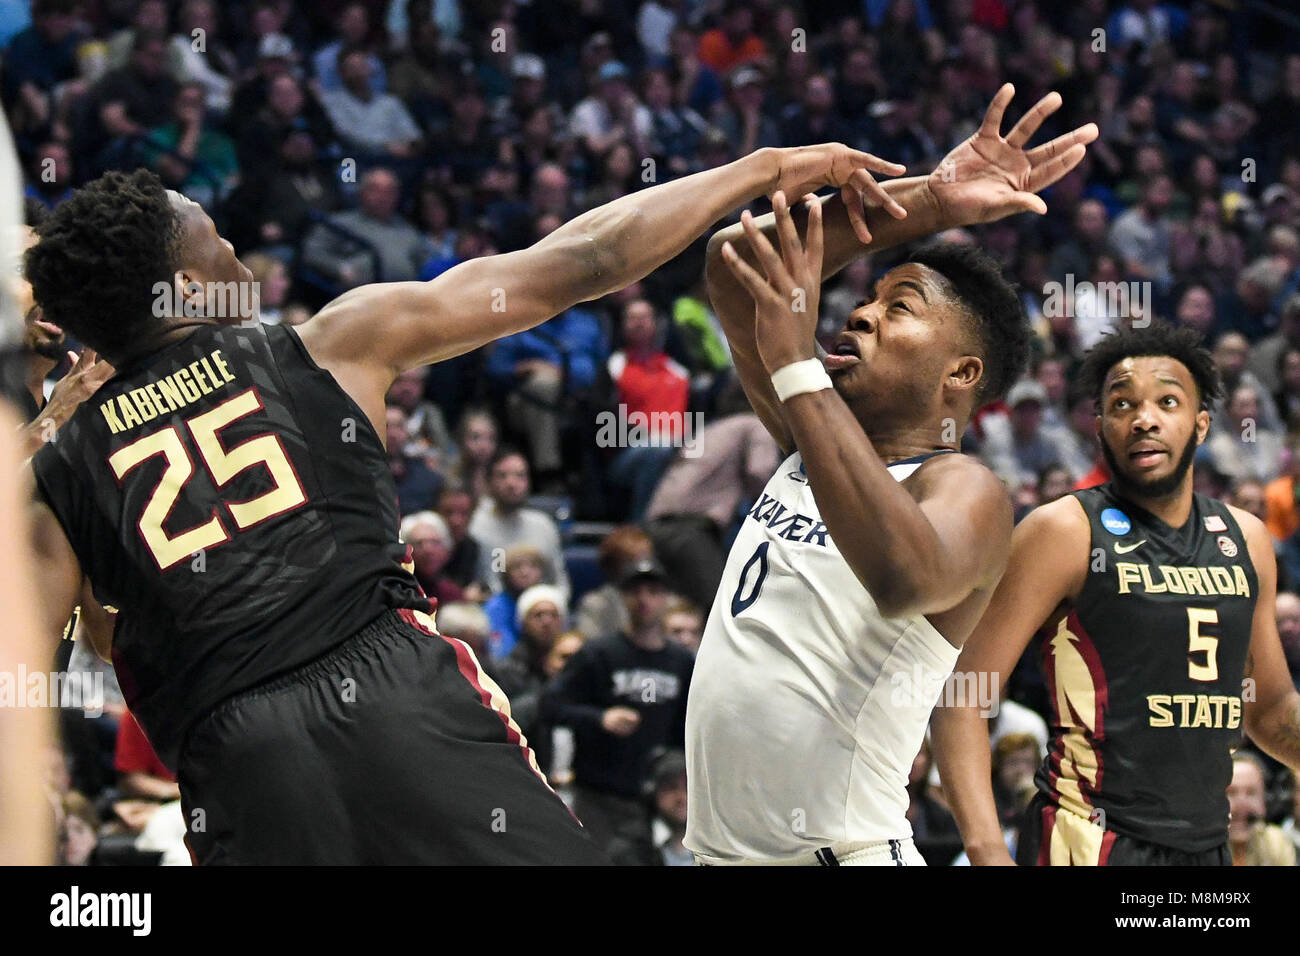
611,114
1015,446
541,614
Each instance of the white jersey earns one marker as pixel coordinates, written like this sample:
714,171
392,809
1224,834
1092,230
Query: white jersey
807,706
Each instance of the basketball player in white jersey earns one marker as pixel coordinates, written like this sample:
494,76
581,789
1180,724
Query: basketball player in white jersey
875,547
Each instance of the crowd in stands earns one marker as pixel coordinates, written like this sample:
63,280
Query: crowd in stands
569,492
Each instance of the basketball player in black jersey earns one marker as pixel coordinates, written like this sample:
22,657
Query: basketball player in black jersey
228,492
1158,641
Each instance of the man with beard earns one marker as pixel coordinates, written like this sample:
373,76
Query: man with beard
1159,642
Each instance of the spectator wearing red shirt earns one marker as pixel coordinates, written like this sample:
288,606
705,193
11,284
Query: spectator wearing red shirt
735,42
652,393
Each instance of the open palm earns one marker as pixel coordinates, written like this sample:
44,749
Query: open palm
990,176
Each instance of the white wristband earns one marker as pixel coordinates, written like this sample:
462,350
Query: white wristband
799,377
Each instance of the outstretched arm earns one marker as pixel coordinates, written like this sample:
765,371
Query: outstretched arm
986,178
385,329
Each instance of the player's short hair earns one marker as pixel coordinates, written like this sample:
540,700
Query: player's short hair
1157,339
100,254
1000,324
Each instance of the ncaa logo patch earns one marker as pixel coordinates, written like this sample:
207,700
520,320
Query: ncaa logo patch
1227,546
1116,521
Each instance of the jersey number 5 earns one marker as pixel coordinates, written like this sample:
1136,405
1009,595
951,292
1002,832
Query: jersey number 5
222,465
1196,641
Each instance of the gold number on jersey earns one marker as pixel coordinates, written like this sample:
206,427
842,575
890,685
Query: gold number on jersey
223,465
1196,641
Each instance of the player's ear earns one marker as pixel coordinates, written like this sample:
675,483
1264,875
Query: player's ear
1202,425
189,294
965,372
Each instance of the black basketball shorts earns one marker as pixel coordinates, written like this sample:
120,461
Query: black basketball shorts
394,748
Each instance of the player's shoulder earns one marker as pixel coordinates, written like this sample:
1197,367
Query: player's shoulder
1258,538
1064,520
949,472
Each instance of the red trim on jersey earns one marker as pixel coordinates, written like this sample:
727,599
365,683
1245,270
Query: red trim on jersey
1045,847
1107,844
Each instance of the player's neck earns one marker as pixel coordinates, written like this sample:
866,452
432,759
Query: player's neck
899,441
1173,509
157,341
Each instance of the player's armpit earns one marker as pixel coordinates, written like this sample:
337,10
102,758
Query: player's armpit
95,623
1271,712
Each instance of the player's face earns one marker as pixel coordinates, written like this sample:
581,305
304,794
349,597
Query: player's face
897,347
210,261
1151,423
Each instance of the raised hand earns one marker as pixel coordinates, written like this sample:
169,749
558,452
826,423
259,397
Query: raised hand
806,169
786,301
990,176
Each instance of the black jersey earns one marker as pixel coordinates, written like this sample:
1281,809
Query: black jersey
236,506
1145,673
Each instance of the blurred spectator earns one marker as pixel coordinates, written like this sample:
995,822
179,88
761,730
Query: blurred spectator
743,121
400,250
51,177
287,109
192,156
540,615
428,436
522,567
37,60
1244,447
78,831
1015,761
649,386
675,130
1281,496
602,611
1231,352
700,330
699,499
1054,482
273,283
352,27
611,114
373,123
665,796
418,486
1268,354
456,506
1015,445
502,520
1253,841
1248,307
466,621
684,624
1142,234
430,542
1287,612
1248,495
199,54
1088,240
541,368
733,42
476,441
128,102
623,695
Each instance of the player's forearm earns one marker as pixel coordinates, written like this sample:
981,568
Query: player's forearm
614,245
959,741
1278,733
842,244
